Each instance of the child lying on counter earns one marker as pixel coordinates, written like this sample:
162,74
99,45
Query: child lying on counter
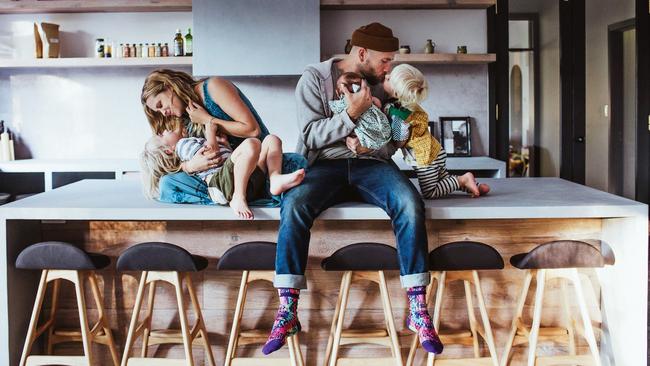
422,151
241,176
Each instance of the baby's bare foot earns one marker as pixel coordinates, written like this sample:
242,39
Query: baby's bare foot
239,205
483,189
283,182
467,181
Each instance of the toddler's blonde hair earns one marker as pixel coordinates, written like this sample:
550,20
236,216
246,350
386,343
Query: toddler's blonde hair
155,162
409,85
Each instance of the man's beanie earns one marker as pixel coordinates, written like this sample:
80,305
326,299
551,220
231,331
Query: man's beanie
375,36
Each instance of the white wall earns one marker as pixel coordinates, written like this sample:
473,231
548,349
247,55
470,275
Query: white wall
96,113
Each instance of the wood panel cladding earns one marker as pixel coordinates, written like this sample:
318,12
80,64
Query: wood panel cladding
217,291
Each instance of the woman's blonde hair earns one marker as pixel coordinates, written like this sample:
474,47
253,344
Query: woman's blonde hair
156,160
409,85
181,84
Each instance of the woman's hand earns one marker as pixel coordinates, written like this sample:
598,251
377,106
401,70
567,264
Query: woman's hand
222,140
198,114
204,159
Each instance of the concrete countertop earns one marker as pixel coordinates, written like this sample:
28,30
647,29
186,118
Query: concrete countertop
509,198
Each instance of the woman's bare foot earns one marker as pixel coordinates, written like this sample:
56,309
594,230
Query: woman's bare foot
467,182
239,205
282,182
483,189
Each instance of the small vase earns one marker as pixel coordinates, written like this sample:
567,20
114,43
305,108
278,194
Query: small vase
404,49
348,47
429,47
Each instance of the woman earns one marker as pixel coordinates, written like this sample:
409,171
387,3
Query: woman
172,99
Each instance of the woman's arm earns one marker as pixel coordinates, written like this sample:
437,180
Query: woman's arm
227,97
204,159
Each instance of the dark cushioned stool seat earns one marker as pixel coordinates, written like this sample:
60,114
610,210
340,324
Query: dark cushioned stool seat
362,257
251,256
157,256
60,255
565,254
464,256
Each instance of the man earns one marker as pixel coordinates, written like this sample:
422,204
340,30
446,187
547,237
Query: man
339,167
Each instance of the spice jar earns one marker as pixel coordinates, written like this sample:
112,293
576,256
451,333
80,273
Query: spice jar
99,47
132,52
157,51
151,50
164,52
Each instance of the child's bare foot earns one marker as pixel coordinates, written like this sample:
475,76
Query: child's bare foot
467,182
239,205
483,189
282,182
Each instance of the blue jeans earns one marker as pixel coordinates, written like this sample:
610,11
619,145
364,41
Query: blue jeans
329,182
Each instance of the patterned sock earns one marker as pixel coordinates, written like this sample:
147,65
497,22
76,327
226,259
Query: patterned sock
286,321
420,322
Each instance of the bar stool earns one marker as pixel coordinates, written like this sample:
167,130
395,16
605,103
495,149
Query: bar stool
164,262
63,261
557,260
257,261
459,261
362,261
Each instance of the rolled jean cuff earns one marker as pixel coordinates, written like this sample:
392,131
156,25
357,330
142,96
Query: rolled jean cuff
290,281
416,279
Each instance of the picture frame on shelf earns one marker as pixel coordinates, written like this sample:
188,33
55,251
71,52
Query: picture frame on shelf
455,136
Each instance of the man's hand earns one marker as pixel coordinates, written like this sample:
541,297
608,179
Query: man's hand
358,102
354,145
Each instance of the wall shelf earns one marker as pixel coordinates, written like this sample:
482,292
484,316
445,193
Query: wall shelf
80,62
90,6
442,58
405,4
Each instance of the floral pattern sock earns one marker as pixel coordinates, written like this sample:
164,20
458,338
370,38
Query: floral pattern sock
286,321
419,320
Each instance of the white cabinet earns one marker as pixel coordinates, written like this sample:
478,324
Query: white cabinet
255,37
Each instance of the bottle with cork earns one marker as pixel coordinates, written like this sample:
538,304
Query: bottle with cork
188,42
178,43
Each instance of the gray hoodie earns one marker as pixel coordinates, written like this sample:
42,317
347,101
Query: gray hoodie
322,133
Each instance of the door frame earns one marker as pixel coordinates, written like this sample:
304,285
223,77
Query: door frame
616,126
499,82
643,100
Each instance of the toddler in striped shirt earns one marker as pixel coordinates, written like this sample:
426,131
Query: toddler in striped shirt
410,123
239,177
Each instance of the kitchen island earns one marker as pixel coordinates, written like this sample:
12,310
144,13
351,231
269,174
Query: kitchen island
108,216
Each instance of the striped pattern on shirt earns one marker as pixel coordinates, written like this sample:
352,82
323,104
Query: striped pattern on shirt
187,147
434,179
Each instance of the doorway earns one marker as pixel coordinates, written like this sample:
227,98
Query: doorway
624,150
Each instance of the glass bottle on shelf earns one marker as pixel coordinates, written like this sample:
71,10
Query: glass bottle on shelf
132,50
145,50
178,43
164,51
157,51
138,50
188,42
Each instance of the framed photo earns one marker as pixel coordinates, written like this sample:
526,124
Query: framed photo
456,136
434,129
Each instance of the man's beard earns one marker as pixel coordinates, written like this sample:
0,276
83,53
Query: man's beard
370,77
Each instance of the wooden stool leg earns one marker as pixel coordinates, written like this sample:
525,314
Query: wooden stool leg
239,309
130,336
505,358
388,314
347,279
437,309
200,322
146,328
102,318
296,343
415,341
337,311
537,317
33,322
568,317
182,314
586,320
489,337
472,317
83,316
292,351
53,309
